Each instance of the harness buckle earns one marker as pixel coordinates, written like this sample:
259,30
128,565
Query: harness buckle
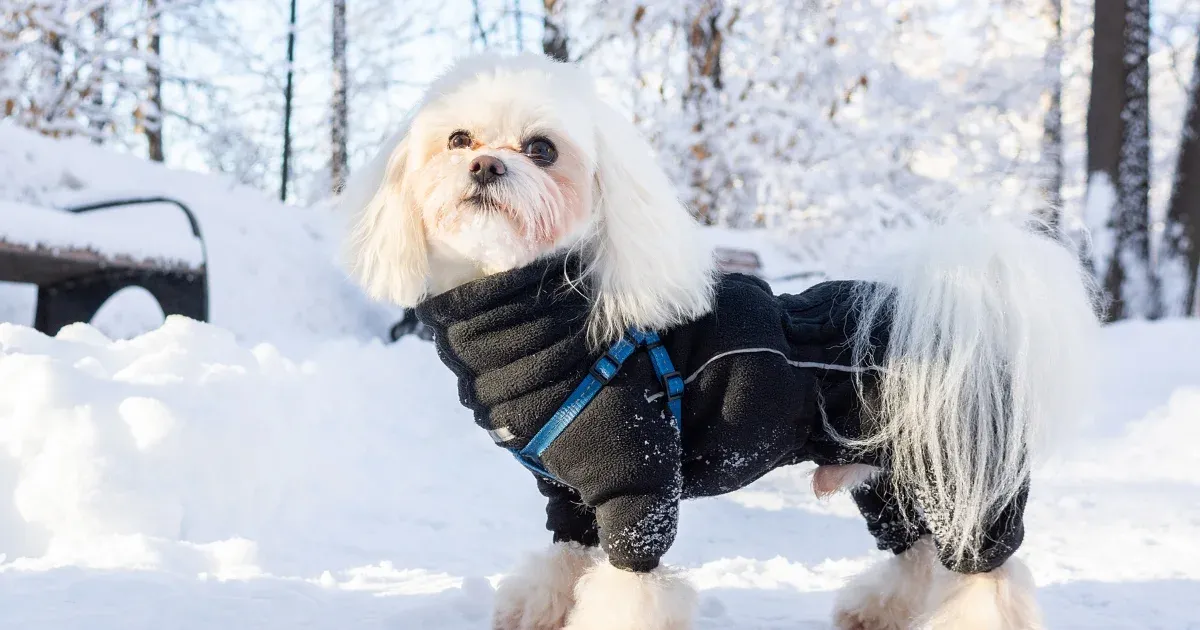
673,384
605,368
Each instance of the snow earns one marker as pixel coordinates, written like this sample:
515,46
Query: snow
283,468
33,226
182,476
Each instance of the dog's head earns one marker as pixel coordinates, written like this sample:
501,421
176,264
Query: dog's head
508,159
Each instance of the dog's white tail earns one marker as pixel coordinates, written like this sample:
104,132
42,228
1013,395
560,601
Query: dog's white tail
990,332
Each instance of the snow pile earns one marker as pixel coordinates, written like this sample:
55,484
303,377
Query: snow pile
181,457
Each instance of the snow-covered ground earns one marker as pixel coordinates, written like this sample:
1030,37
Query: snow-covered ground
281,468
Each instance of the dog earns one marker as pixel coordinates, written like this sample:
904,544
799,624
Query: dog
569,290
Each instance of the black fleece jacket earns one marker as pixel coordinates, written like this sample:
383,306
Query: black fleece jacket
764,374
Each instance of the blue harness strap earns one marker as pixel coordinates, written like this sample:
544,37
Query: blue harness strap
601,373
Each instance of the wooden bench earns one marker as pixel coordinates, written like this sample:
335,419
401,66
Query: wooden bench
74,281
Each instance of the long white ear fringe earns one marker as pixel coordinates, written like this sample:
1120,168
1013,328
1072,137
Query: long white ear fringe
650,267
386,250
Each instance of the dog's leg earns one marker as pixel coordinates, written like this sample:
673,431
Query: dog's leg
889,595
540,594
608,598
1002,599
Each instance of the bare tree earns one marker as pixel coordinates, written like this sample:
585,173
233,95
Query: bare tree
1052,136
153,122
285,171
1131,279
340,112
98,16
704,39
554,31
518,25
480,33
1180,252
1119,155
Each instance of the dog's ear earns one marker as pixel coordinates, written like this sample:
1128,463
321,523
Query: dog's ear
387,251
650,266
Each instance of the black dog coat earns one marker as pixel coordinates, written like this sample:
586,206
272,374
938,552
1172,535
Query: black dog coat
767,377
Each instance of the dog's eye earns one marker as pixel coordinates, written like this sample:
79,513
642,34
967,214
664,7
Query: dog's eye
541,151
460,140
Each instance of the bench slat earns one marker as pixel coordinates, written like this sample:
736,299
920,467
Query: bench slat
43,265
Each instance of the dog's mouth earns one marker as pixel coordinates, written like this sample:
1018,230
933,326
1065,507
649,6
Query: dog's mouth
484,203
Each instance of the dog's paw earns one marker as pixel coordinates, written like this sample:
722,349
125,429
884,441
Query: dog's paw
608,598
889,595
864,620
540,594
1002,599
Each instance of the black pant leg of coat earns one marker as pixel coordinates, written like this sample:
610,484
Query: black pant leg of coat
880,506
567,516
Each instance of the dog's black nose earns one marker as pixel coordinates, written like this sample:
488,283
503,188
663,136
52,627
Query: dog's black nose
486,169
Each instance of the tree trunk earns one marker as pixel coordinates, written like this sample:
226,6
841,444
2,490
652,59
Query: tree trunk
52,74
1108,90
340,124
1052,137
97,121
153,124
705,40
1104,126
518,25
1131,280
1181,239
1118,128
480,33
285,171
554,31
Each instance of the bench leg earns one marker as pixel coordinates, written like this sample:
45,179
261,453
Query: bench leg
78,299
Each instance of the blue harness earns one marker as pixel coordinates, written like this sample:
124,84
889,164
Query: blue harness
601,373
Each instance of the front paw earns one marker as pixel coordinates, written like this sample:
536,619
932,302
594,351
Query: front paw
608,598
541,593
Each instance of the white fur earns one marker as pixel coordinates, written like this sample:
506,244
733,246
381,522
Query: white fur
890,595
989,352
387,249
541,593
416,233
608,598
1002,599
652,269
913,590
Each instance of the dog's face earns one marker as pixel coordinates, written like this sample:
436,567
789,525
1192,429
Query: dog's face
501,170
511,158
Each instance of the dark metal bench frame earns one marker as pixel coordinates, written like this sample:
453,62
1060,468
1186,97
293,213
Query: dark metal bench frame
73,288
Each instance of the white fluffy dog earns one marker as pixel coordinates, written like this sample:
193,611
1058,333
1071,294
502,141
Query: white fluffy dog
509,160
